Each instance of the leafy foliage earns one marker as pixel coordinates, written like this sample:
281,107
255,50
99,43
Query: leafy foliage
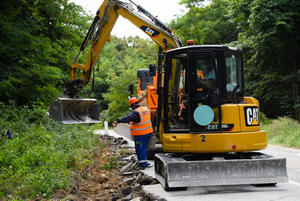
35,162
205,24
118,65
284,131
37,42
269,32
112,163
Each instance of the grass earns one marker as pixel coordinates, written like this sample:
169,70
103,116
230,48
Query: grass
111,164
42,154
283,131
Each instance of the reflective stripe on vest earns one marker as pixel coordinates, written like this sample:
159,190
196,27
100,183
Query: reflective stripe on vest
144,126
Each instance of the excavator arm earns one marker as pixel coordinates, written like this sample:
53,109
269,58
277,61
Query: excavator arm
99,34
71,109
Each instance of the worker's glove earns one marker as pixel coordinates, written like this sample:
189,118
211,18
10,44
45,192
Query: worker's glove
114,123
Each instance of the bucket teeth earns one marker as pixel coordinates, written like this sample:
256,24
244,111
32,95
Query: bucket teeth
75,111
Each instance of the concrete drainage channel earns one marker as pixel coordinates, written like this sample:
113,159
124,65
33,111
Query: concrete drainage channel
134,178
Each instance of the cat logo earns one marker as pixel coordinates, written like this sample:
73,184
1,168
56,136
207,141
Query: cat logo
251,114
151,32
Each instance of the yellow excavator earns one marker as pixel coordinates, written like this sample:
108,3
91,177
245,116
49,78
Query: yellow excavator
69,108
209,132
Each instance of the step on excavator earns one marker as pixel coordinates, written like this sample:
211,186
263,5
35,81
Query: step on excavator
209,132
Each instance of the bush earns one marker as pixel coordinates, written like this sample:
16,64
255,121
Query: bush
284,131
263,118
35,162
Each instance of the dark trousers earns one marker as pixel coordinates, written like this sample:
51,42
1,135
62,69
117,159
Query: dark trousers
141,142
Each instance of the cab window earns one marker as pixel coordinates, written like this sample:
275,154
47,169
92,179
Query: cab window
233,73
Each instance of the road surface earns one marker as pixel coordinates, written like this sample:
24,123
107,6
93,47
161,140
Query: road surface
288,191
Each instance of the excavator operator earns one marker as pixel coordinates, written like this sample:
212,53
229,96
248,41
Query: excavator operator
208,80
141,129
206,83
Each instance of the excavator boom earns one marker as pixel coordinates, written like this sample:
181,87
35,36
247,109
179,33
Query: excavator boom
70,109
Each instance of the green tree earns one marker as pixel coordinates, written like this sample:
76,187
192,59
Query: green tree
121,58
38,41
270,35
205,24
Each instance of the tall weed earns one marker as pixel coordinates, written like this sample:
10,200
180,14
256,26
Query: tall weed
284,131
35,162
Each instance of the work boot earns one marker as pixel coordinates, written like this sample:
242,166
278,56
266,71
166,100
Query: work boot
146,165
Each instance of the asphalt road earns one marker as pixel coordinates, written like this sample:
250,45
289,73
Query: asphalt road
288,191
293,160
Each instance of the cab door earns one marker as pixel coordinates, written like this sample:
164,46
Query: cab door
176,92
204,93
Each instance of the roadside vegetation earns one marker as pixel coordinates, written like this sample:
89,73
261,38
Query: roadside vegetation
40,39
283,131
42,153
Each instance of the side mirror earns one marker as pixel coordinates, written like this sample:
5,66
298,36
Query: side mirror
152,70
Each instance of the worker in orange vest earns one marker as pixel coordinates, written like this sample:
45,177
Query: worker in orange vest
141,129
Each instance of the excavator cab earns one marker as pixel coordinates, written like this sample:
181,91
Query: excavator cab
203,100
199,79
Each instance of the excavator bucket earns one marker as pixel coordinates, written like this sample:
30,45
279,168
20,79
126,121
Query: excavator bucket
75,111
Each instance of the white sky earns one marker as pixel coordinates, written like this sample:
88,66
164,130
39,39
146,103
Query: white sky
165,10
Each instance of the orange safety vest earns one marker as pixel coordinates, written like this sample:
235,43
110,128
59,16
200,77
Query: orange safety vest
144,126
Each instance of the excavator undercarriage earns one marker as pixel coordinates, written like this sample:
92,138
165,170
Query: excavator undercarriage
177,171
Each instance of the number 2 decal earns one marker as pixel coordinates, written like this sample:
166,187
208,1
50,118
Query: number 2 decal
203,138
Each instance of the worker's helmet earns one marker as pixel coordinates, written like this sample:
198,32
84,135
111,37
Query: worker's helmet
133,100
